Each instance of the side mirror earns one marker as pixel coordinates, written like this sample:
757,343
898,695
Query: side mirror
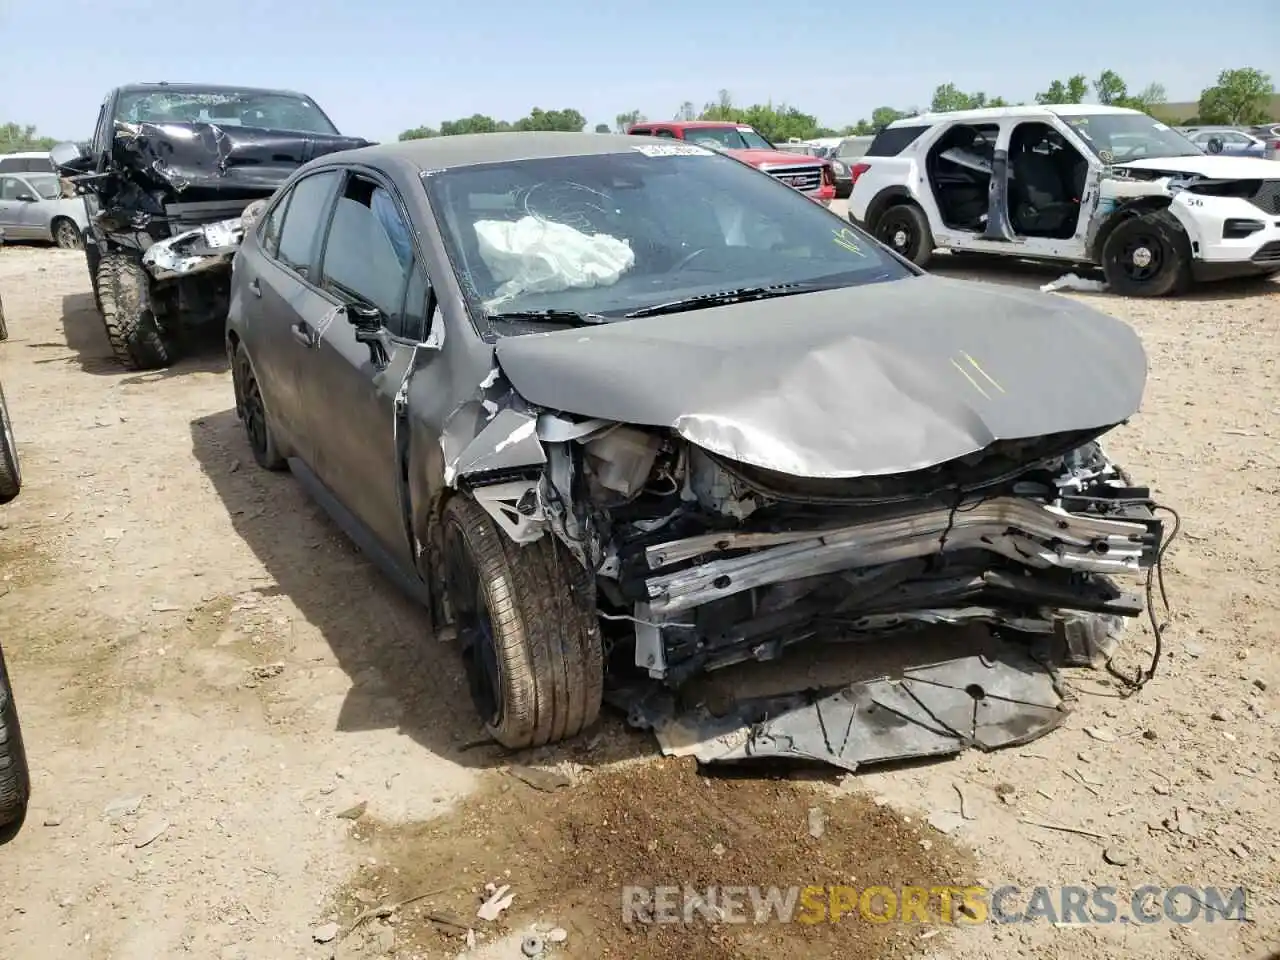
27,198
1215,145
369,331
70,156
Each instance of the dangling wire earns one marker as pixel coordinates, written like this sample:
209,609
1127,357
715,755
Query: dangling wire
1155,578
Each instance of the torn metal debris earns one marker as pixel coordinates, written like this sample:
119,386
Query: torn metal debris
932,710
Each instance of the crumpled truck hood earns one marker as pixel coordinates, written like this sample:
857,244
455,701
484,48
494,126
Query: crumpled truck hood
1213,166
873,380
208,156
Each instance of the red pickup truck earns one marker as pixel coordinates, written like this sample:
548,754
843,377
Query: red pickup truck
811,176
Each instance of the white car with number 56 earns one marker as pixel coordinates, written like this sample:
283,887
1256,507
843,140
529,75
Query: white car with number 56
1078,183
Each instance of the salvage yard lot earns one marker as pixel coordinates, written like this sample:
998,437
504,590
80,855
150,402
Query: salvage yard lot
203,661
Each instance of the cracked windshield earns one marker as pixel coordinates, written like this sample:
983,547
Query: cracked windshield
612,234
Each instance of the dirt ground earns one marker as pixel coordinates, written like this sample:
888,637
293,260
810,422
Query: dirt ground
209,676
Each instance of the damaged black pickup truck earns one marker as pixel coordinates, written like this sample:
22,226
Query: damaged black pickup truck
170,179
641,409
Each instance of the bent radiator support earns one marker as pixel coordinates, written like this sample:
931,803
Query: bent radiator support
1039,536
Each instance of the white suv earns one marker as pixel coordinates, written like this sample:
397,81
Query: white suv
1079,183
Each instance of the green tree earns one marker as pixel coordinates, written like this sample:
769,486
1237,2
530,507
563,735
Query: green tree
1152,95
539,119
948,97
1110,89
883,116
476,123
777,123
624,120
1239,97
1073,91
603,128
419,133
721,108
17,138
687,111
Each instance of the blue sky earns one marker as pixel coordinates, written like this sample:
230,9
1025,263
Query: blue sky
379,66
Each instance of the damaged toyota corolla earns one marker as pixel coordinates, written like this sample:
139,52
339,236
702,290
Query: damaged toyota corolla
606,403
170,180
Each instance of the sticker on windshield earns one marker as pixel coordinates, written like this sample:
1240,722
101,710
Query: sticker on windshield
847,239
673,150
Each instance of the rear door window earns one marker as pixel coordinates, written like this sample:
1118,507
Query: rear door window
308,210
892,141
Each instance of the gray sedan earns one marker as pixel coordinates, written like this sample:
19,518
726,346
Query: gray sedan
616,403
32,207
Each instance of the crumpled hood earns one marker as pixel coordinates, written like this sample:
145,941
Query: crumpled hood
880,379
1214,166
208,156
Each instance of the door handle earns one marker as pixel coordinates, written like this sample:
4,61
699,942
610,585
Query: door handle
255,287
304,334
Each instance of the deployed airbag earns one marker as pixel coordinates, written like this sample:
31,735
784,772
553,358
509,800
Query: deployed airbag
532,255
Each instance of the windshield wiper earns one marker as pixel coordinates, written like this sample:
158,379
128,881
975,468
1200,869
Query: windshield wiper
571,317
725,297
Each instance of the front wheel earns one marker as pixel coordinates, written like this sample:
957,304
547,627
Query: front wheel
15,778
1147,256
124,295
531,641
905,229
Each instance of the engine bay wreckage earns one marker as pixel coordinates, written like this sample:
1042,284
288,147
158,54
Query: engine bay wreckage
168,205
738,484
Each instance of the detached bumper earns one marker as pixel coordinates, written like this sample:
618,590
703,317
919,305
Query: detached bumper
205,248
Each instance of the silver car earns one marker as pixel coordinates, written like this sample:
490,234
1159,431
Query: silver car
32,207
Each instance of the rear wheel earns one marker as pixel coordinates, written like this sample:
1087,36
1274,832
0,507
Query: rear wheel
905,229
1147,256
253,412
66,234
10,469
531,642
124,293
15,779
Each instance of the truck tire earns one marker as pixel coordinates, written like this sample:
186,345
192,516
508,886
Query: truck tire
92,258
531,642
904,229
1147,256
15,778
124,292
10,469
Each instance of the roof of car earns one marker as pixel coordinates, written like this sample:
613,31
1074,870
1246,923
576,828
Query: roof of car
998,113
691,124
161,85
436,153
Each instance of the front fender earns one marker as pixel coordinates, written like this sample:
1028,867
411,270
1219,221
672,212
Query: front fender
1183,206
